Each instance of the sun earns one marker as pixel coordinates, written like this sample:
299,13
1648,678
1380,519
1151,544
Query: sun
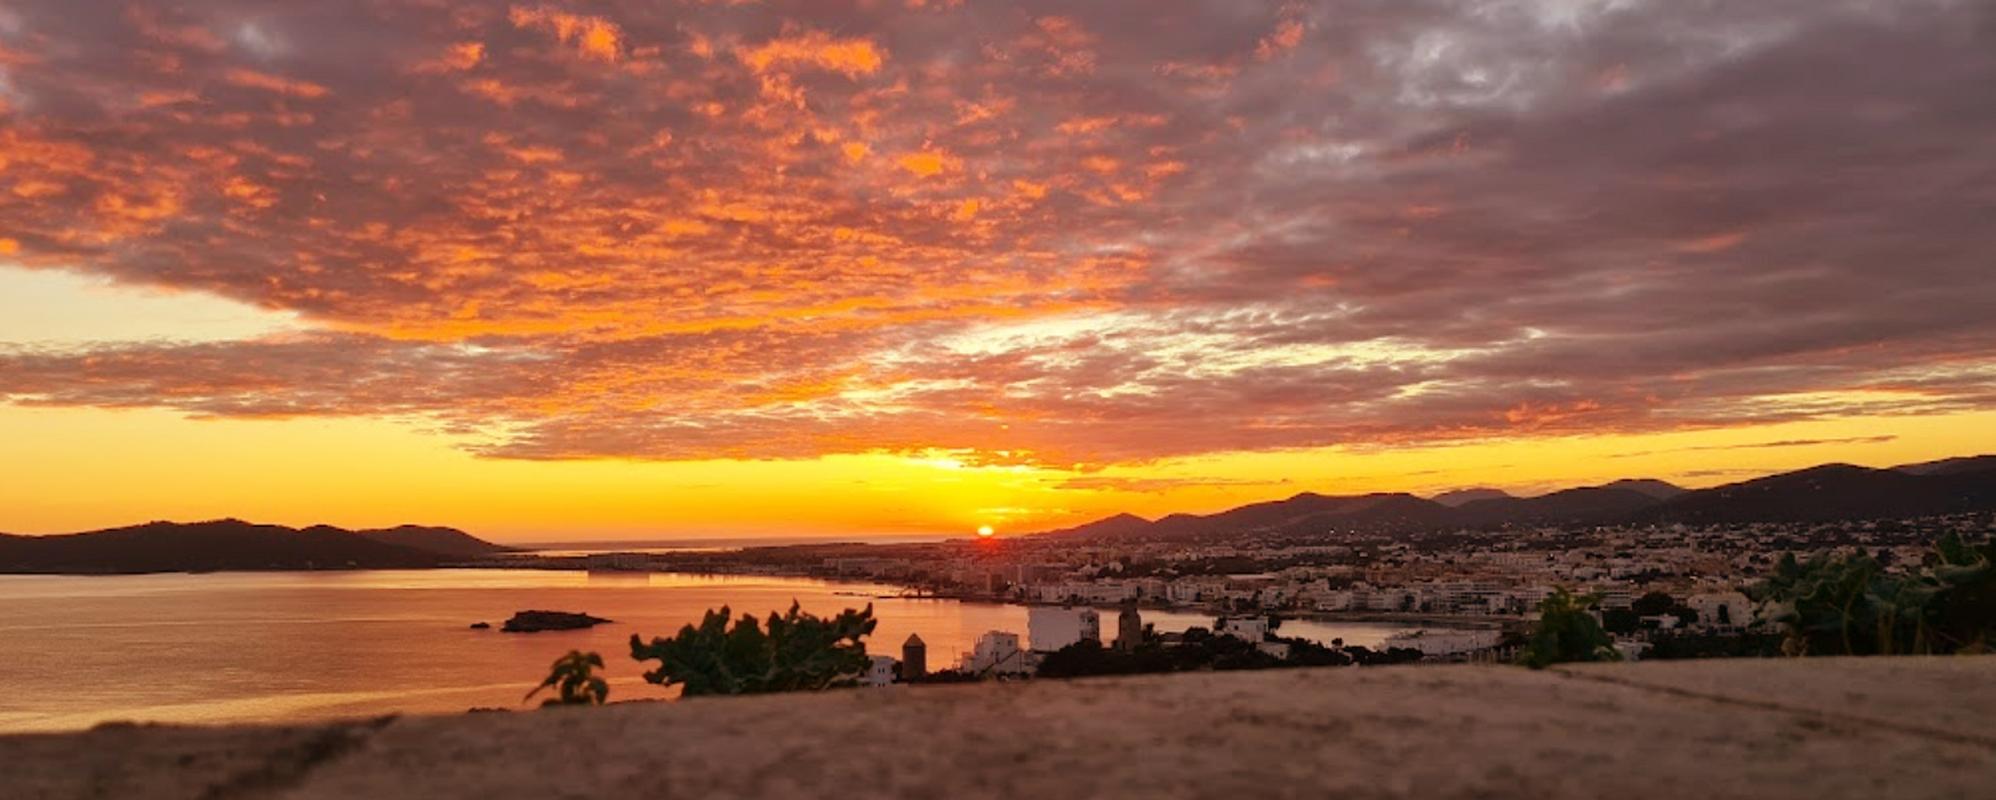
985,531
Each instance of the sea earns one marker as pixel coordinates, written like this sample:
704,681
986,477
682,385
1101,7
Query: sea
79,651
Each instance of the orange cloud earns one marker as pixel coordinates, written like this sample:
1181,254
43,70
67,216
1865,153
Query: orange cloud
458,57
1287,35
1107,241
252,79
927,163
850,57
1068,46
593,37
1080,125
249,192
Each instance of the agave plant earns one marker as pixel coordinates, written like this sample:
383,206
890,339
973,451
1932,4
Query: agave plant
1899,608
1964,614
1851,605
1821,603
574,679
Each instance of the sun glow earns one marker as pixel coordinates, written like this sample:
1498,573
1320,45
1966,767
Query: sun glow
812,275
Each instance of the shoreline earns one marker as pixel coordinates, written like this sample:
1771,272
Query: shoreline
909,592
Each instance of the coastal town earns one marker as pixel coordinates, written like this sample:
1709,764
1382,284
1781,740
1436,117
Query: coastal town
1663,591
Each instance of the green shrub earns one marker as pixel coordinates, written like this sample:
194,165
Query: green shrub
797,652
1567,632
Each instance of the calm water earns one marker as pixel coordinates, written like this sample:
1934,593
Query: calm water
76,651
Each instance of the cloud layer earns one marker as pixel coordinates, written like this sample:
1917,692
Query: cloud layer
1025,232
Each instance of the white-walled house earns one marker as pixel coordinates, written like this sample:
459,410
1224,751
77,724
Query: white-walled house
998,653
1251,629
879,671
1050,628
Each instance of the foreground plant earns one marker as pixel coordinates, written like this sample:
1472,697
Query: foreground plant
1567,632
796,652
1850,604
573,677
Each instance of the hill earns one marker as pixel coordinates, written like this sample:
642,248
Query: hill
1592,505
1304,513
1309,512
1656,489
1951,466
442,541
1818,494
1107,526
1463,497
229,545
1832,492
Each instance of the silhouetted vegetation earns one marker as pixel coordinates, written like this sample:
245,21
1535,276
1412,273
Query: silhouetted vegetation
1200,649
796,652
573,677
1659,604
1674,646
1651,606
1567,632
1851,604
945,676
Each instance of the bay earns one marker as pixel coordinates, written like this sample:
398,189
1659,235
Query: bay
77,651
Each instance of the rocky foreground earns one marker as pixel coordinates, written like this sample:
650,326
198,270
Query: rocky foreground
1815,729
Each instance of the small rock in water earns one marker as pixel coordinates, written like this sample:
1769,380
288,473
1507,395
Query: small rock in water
533,621
480,626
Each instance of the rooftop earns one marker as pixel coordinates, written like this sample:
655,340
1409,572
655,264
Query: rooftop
1818,728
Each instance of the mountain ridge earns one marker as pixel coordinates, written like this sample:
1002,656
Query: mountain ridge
1825,492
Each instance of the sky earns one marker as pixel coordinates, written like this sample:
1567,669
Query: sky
586,270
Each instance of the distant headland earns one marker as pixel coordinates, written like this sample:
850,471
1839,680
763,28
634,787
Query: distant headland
235,545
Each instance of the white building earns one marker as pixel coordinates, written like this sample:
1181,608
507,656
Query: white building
1250,629
1051,628
1721,610
998,653
1276,649
879,671
1445,643
1335,600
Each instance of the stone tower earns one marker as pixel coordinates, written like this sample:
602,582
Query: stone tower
1129,628
914,658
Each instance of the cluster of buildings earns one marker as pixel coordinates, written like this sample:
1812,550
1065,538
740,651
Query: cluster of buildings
1461,575
1706,571
1049,629
1475,578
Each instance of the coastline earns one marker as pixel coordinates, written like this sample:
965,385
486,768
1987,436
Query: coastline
910,591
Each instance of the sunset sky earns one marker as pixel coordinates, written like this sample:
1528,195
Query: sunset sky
592,268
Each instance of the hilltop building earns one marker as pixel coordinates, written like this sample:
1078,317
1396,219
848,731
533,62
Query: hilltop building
1129,628
1050,628
998,653
1248,629
879,671
914,658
